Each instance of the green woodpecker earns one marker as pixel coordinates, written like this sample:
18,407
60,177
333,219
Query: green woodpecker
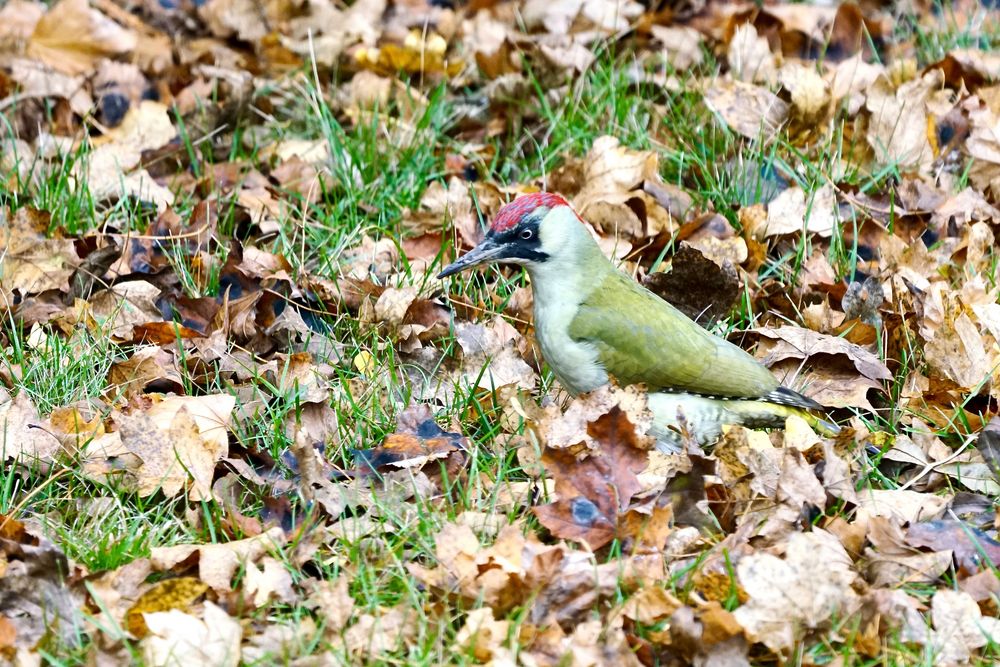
592,321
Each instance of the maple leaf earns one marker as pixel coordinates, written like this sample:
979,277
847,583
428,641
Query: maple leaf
594,492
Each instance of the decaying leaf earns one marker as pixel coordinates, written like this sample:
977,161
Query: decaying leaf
179,441
806,589
799,343
594,492
176,638
217,563
179,593
747,109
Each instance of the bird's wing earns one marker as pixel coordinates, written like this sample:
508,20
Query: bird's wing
663,348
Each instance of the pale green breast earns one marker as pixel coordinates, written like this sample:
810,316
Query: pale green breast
642,338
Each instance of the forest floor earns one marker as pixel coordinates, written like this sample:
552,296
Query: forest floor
244,423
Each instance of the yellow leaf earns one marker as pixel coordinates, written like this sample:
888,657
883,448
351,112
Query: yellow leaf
179,593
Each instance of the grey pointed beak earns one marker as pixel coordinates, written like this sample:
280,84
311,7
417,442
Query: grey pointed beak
486,251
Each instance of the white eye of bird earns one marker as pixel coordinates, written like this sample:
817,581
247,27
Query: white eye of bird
526,234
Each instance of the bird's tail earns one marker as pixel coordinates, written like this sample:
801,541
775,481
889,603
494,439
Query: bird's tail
769,414
792,398
703,416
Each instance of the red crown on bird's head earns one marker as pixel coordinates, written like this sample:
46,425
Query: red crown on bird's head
511,213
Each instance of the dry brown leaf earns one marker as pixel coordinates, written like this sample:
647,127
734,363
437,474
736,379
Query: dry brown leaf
32,261
109,172
241,18
903,505
391,630
124,306
612,171
697,286
418,441
681,44
18,19
560,17
170,456
806,590
333,603
179,593
270,581
148,364
593,493
489,356
328,29
38,80
897,129
800,343
217,563
983,145
959,627
72,36
24,438
179,440
792,213
37,603
749,56
562,430
958,353
810,93
482,635
747,109
177,639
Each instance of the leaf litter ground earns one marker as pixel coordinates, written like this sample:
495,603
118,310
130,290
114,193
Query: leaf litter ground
243,423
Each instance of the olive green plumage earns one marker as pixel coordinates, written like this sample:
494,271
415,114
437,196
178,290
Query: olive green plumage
663,349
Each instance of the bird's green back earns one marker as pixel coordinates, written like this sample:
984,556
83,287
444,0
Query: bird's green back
642,338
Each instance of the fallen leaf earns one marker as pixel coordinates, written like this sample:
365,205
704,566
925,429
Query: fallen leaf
32,260
179,441
23,437
973,549
697,286
110,170
791,213
988,444
217,563
800,343
482,635
179,593
183,640
72,36
417,442
959,627
390,630
897,128
805,591
270,581
594,492
35,600
957,352
749,56
333,602
747,109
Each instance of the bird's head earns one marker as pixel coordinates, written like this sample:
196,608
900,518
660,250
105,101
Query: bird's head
530,230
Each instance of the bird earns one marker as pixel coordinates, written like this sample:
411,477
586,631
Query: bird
594,322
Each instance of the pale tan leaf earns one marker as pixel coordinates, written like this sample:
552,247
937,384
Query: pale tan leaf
791,212
747,109
217,563
897,130
749,56
177,639
806,590
72,36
